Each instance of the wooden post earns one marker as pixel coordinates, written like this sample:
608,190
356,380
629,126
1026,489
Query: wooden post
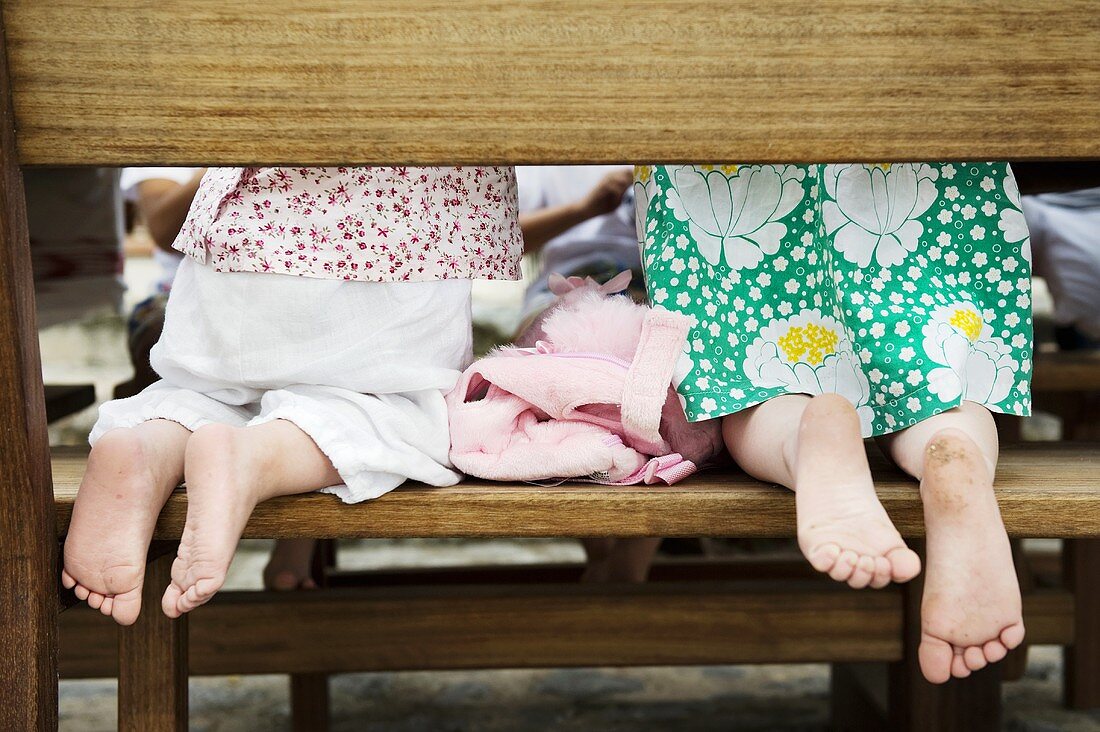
309,697
309,702
972,704
28,539
152,662
1082,659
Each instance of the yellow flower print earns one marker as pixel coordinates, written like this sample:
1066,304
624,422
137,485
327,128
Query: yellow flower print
809,353
968,322
809,343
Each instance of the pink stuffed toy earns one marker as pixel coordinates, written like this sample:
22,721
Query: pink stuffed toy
585,394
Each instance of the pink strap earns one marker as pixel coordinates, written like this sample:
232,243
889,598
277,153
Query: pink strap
646,387
668,469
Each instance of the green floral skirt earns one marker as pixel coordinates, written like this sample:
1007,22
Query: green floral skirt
905,288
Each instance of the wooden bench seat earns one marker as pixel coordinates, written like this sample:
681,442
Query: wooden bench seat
1045,490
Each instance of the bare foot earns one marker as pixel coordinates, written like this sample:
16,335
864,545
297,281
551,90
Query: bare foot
843,530
290,566
222,468
971,612
128,480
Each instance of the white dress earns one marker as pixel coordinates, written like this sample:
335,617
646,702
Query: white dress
361,367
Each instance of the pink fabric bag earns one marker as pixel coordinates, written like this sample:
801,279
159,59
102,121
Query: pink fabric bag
591,399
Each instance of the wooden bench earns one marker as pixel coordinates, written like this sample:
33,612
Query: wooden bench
314,82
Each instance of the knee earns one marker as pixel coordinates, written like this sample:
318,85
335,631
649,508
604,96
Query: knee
213,437
831,401
121,442
952,445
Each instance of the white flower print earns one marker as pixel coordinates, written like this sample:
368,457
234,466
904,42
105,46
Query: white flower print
810,353
974,365
875,209
1012,223
735,212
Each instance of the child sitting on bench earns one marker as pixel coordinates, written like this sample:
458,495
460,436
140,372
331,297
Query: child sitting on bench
312,330
836,302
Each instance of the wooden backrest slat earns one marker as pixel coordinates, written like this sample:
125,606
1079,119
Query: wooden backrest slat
126,82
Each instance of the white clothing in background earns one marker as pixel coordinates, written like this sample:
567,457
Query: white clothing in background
1065,245
168,262
610,237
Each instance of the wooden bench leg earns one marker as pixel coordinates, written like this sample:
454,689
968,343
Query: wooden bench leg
309,702
28,536
972,704
152,662
309,699
1082,659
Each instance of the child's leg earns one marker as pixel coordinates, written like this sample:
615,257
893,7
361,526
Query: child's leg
131,472
813,446
597,559
631,558
228,471
290,565
970,613
618,560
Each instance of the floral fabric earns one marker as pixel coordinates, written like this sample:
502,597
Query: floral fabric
905,288
373,224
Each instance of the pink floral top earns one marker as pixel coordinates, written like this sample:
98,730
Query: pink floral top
373,224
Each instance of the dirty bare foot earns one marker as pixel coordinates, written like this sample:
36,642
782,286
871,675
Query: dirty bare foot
843,530
971,611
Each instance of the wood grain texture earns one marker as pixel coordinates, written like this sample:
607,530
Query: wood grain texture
419,628
1044,491
1066,372
1082,659
129,82
28,540
152,661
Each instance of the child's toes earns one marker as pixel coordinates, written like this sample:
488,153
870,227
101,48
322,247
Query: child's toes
994,651
845,565
882,574
974,658
935,658
81,592
863,573
169,603
958,667
1013,635
95,600
67,580
824,557
904,563
107,606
